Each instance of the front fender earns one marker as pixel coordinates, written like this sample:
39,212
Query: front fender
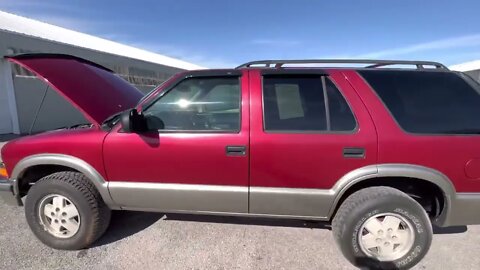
67,161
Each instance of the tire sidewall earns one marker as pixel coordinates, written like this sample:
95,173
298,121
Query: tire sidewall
32,212
410,210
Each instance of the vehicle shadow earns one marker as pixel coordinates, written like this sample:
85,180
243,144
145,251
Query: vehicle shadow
273,222
126,223
449,230
366,263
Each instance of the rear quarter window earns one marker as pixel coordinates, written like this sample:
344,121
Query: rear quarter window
428,102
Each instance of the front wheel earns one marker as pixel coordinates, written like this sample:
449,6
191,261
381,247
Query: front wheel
65,211
382,228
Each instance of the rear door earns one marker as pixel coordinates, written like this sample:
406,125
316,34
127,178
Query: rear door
308,129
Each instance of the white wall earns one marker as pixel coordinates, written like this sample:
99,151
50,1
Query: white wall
54,113
475,74
8,109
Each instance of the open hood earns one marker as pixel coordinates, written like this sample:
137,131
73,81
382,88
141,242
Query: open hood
95,90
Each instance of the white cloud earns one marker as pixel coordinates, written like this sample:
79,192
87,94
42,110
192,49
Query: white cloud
182,54
442,44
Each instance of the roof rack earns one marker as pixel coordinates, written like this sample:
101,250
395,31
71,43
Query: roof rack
368,62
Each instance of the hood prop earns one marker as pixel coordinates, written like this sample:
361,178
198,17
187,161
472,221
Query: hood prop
38,110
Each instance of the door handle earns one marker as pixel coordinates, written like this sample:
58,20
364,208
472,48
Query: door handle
238,150
354,152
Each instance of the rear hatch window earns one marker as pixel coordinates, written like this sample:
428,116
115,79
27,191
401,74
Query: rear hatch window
428,102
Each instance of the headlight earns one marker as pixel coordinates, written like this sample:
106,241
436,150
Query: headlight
3,170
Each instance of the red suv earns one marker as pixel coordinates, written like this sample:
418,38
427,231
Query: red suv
379,151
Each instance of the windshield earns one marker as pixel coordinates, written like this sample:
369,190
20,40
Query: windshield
153,91
112,120
149,94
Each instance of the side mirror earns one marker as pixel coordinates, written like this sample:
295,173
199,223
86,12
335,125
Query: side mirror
132,121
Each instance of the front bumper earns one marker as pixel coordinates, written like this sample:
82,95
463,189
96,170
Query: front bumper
7,192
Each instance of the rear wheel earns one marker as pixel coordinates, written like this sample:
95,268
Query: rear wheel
65,211
382,228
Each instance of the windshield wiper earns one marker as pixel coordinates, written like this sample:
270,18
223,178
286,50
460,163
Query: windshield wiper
80,125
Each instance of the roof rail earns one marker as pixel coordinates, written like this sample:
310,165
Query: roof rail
368,62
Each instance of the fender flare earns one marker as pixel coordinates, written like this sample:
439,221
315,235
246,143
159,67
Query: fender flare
68,161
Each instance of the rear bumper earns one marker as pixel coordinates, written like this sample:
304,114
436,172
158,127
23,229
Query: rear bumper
7,192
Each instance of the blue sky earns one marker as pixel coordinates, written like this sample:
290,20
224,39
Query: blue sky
222,33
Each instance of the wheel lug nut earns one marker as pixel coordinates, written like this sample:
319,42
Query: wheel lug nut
53,214
57,209
390,230
378,240
64,214
387,243
394,237
56,220
380,232
63,221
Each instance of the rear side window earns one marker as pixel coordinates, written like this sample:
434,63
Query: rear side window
304,103
428,102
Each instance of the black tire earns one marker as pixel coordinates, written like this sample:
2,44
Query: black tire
94,214
368,202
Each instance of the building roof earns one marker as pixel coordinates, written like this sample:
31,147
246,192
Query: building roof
18,24
468,66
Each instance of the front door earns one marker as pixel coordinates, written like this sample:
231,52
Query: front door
198,159
308,129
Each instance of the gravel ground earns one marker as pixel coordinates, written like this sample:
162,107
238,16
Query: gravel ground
156,241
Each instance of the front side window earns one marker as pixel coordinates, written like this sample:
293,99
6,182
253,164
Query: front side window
304,103
428,102
198,104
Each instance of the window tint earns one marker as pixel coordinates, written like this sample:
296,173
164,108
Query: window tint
341,117
428,102
198,104
297,103
294,103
